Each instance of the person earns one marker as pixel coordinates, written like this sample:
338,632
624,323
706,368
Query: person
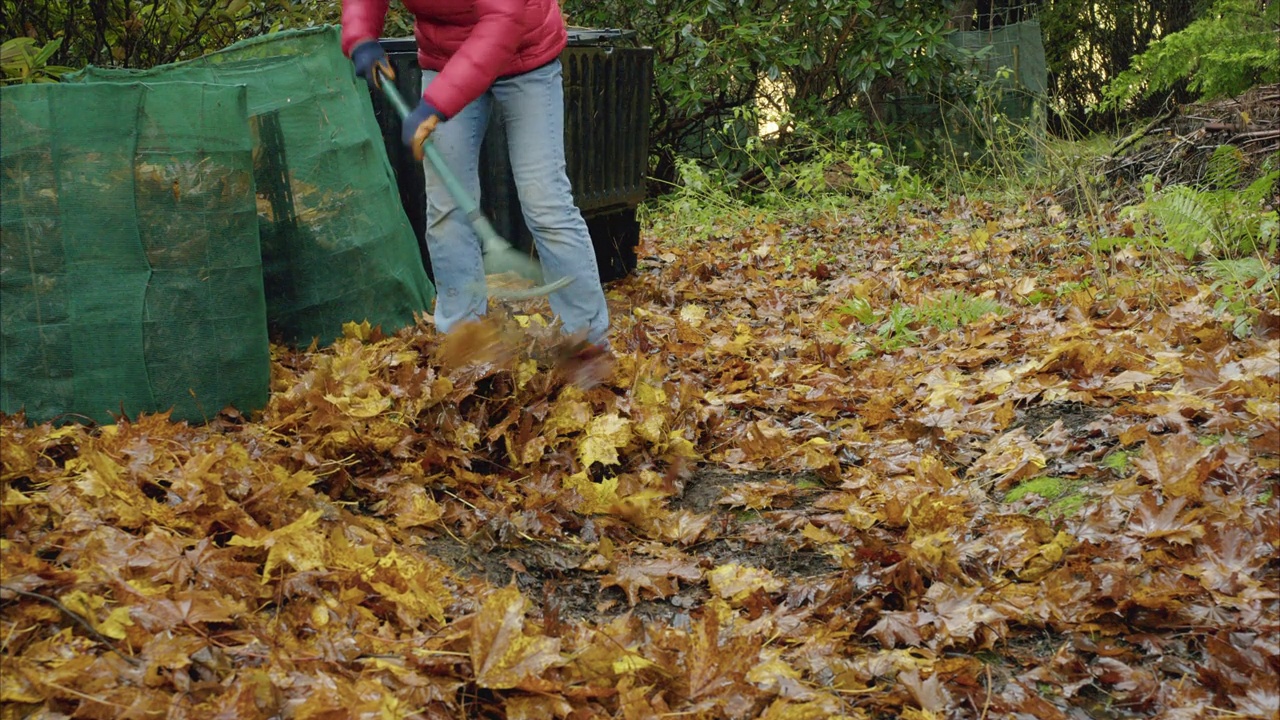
475,55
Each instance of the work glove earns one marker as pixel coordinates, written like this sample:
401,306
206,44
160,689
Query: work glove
418,126
372,63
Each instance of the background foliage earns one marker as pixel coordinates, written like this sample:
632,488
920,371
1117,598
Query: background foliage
1088,43
141,33
816,59
821,70
1230,48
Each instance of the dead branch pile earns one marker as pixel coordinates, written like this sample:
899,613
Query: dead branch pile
1178,146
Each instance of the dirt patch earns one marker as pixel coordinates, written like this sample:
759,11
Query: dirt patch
1074,416
551,574
705,487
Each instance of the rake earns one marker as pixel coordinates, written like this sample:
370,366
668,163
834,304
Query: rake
499,255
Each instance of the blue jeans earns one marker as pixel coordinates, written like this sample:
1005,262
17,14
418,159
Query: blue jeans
532,105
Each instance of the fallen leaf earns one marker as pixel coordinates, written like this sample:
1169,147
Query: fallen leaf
503,654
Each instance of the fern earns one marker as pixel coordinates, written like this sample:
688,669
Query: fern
860,309
1187,219
1226,222
1224,167
1240,285
953,309
1261,190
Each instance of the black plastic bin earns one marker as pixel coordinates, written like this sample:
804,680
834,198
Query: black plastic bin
607,85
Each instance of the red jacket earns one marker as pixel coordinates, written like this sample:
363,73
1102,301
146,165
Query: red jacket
472,43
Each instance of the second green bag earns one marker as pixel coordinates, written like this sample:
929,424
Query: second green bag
336,244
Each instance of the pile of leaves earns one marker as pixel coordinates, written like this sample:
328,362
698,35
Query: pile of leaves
925,462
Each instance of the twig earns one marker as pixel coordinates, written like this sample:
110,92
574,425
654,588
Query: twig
76,617
98,700
986,706
1136,136
1255,136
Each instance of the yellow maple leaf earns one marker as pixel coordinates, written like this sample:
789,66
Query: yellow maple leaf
366,406
650,428
736,583
525,372
13,498
680,446
416,588
819,535
1047,556
606,435
819,455
299,543
115,624
87,607
287,483
415,508
597,497
502,655
17,686
357,331
775,675
978,239
536,319
649,394
742,339
630,662
569,414
693,314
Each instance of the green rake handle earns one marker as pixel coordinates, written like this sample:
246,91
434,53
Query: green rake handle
499,256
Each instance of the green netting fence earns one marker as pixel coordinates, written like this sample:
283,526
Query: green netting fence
130,271
336,243
1010,62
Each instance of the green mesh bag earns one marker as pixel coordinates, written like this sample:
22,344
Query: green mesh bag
130,272
336,244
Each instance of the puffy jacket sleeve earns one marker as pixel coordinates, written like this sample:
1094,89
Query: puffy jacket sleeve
362,20
488,49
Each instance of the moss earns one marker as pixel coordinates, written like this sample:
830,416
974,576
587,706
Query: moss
1118,461
1069,504
1046,487
1065,497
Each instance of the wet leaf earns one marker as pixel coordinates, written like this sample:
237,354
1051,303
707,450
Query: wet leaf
503,653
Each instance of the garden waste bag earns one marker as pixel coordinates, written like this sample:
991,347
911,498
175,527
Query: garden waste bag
130,272
336,244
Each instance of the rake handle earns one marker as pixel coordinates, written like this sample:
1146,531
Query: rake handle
490,239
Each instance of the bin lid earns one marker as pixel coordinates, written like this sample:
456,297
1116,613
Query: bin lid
399,45
578,37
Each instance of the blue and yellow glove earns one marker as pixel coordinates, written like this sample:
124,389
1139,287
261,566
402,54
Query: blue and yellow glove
418,126
372,63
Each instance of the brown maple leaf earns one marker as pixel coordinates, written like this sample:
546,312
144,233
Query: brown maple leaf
901,627
652,577
1178,463
717,663
1155,520
502,653
964,614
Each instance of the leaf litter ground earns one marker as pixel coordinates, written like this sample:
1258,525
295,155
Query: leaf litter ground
916,462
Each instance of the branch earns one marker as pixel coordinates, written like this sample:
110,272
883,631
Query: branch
76,617
176,52
1136,136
